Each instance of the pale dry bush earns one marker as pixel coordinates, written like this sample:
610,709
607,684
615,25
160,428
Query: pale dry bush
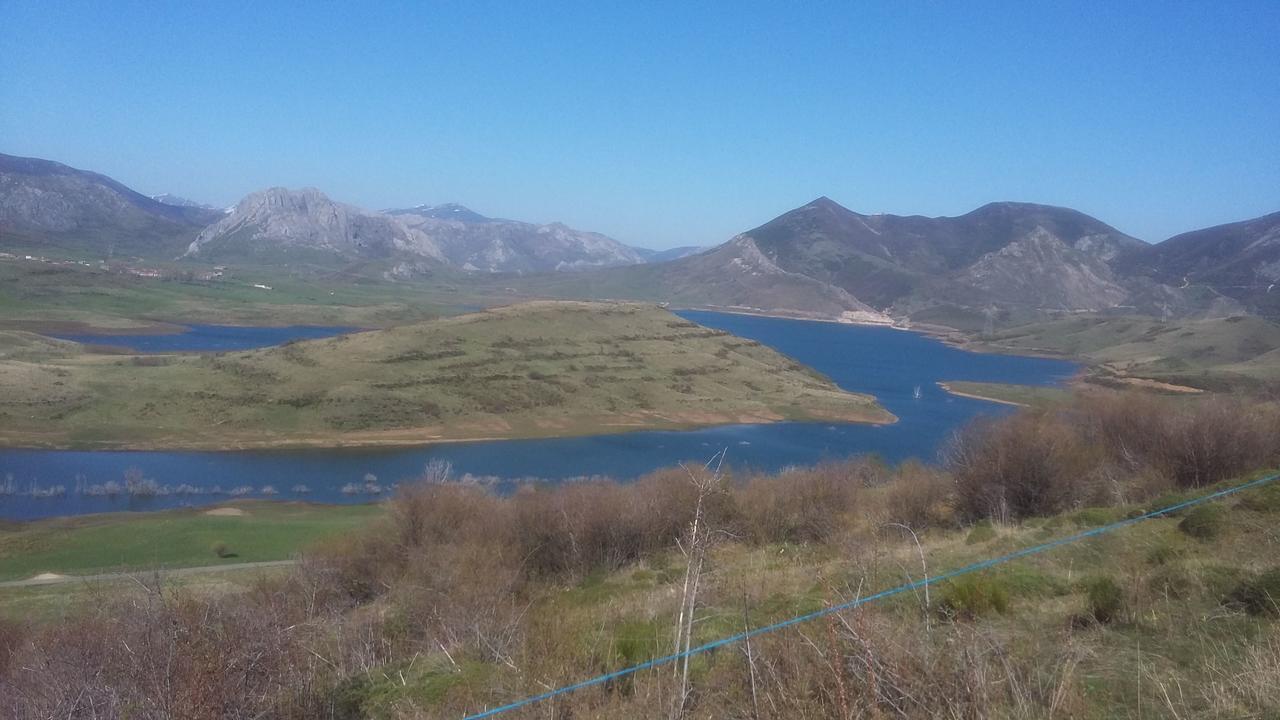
800,506
920,497
1027,465
1191,442
156,653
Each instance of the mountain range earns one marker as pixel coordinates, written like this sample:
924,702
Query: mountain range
1002,263
44,203
1011,260
47,204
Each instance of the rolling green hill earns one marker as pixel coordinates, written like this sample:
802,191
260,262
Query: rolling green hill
539,369
1213,353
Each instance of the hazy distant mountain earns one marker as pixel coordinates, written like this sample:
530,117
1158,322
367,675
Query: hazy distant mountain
447,211
1240,260
675,253
178,201
473,242
44,203
732,276
305,225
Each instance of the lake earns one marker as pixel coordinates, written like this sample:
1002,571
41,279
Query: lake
209,338
884,362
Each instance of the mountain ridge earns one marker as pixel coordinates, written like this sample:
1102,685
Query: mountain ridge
1002,262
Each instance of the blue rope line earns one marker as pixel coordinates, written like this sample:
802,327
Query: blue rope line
914,585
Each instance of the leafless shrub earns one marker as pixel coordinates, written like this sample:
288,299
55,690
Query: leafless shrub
1192,442
1029,464
920,497
801,506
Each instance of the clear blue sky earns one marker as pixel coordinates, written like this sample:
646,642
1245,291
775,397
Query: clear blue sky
666,123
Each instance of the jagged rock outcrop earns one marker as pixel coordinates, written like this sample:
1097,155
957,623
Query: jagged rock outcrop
281,221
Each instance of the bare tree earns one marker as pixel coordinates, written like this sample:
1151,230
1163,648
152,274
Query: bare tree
706,482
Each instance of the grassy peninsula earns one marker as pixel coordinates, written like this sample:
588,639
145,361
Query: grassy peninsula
530,370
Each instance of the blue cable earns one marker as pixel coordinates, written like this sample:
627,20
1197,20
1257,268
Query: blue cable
981,565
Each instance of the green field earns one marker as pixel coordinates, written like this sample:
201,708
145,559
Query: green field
114,542
1026,395
1217,353
539,369
65,294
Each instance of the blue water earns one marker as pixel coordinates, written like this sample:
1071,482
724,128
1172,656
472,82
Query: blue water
210,338
887,363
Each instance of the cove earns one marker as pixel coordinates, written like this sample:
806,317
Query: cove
884,362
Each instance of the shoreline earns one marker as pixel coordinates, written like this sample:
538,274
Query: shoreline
973,396
398,442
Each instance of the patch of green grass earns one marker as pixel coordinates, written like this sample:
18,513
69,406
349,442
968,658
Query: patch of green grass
983,531
1028,395
1264,499
1213,353
1204,522
1104,598
1097,516
424,683
1260,594
177,538
973,596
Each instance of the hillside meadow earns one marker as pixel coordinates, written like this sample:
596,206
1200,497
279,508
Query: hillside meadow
537,369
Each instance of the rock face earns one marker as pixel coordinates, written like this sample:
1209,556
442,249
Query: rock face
302,223
44,203
476,243
1238,260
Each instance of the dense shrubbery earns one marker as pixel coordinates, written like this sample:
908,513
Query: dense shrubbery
454,568
1107,448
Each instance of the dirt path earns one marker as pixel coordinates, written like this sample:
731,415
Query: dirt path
52,579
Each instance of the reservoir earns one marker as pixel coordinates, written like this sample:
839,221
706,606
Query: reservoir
887,363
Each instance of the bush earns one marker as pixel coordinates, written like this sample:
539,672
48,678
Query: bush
1095,517
973,596
1172,581
1029,464
1164,552
1259,595
1104,599
1193,443
920,497
1264,499
800,506
1204,522
221,549
983,531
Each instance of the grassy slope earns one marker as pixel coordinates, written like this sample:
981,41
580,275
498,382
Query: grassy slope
1026,395
1220,352
1037,649
42,295
542,369
177,538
